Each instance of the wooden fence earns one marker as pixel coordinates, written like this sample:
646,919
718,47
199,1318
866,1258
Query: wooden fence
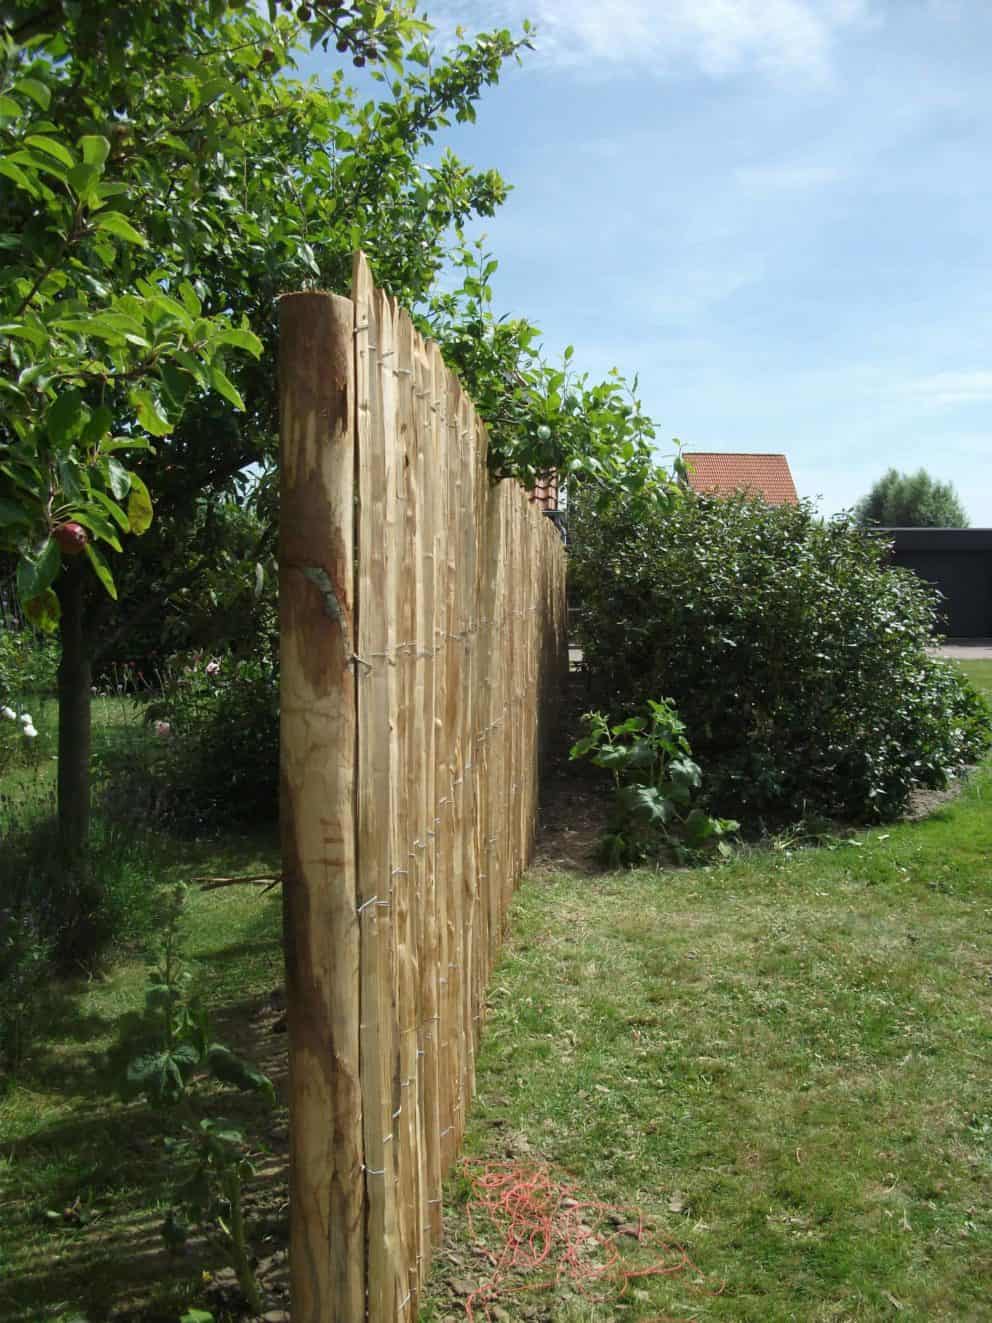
423,640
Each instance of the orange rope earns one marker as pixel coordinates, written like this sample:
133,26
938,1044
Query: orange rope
546,1226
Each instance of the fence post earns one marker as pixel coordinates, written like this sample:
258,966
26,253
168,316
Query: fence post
317,810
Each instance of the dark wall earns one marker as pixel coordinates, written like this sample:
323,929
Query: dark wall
958,562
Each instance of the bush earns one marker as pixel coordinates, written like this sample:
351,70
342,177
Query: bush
655,783
55,920
795,654
210,756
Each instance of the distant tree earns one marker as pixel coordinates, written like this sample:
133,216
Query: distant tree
911,500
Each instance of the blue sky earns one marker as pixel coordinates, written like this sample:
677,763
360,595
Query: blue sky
777,212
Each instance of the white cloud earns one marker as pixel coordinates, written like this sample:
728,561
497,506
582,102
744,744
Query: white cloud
714,37
946,389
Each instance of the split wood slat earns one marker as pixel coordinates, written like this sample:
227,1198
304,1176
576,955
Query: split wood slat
423,646
317,774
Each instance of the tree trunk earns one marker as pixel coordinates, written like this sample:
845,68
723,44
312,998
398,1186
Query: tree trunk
75,678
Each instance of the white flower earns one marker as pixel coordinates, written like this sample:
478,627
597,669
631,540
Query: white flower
212,667
26,719
8,713
29,731
163,730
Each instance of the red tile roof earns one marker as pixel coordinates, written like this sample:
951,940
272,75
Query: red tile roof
724,474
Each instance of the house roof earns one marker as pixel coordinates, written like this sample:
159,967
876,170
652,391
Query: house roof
724,474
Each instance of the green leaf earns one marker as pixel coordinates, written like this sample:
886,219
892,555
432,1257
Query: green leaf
39,93
82,178
51,147
101,569
231,1069
95,150
139,506
93,519
11,513
150,415
226,387
9,108
188,295
112,222
118,478
15,173
241,339
66,417
37,572
97,426
44,611
114,510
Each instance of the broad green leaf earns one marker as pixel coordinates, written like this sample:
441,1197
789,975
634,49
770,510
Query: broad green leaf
139,506
14,172
172,307
101,569
98,425
39,93
150,416
113,509
112,222
69,478
95,149
44,611
241,339
93,519
37,571
51,147
82,178
188,295
11,513
118,478
66,417
226,387
9,108
231,1069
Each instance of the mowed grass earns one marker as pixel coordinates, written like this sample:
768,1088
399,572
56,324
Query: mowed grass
785,1062
84,1184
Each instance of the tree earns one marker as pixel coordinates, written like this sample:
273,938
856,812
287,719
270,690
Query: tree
170,178
164,174
911,500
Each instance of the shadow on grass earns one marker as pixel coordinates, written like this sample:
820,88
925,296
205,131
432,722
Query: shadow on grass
84,1197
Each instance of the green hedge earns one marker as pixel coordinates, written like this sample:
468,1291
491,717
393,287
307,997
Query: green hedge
795,654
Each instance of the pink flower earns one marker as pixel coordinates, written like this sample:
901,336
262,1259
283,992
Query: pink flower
163,730
212,668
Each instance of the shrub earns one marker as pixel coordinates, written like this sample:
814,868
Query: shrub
210,755
796,655
656,783
28,664
55,920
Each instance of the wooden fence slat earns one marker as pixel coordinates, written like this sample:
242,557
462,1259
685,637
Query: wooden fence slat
316,594
376,635
422,610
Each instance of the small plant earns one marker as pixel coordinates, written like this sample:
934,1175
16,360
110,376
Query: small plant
169,1058
656,782
18,736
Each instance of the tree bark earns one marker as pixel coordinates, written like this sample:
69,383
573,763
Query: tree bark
75,679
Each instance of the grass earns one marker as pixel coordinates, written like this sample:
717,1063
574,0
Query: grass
68,1143
784,1061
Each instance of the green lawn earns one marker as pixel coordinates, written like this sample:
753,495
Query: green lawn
784,1061
83,1184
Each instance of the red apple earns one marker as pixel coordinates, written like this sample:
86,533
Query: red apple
71,537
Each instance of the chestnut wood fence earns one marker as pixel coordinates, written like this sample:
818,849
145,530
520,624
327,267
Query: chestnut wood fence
423,642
